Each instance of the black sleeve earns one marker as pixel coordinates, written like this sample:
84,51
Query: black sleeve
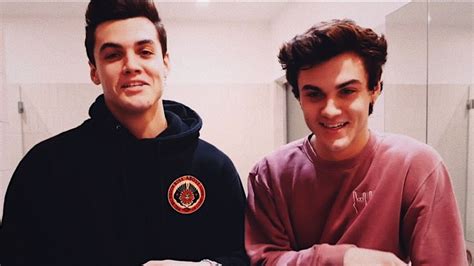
21,237
232,218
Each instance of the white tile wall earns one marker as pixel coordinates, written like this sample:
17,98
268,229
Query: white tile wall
12,137
5,176
3,101
53,108
3,150
470,181
3,123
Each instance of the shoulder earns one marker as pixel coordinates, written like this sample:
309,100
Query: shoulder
60,145
207,152
407,150
279,163
418,163
285,154
48,156
213,161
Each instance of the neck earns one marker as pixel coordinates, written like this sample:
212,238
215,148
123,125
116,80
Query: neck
144,125
350,152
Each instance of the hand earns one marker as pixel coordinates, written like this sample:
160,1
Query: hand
362,256
174,262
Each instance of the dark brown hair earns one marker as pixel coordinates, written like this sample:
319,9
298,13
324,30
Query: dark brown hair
100,11
329,39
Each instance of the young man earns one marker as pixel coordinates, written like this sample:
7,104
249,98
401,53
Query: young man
134,183
346,195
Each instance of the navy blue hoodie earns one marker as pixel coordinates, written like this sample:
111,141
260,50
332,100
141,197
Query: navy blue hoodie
96,195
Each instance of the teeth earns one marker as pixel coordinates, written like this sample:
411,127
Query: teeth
339,125
133,84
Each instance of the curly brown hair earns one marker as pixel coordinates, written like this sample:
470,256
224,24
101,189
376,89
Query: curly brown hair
329,39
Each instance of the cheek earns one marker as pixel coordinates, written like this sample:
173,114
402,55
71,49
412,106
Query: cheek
360,105
156,68
310,115
109,74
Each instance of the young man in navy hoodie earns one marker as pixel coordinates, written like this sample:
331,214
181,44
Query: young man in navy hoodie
347,195
133,184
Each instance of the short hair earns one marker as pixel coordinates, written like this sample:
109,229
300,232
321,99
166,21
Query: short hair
329,39
100,11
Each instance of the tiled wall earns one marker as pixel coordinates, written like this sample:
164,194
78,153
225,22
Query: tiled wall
53,108
3,102
470,183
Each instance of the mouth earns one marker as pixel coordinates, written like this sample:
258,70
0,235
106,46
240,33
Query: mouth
334,126
132,84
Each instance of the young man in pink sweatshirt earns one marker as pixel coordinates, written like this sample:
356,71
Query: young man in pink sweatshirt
346,195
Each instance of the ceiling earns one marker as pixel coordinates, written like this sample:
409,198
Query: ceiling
207,11
453,13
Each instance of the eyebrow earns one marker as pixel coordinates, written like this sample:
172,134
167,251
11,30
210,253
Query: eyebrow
350,82
109,45
339,86
116,45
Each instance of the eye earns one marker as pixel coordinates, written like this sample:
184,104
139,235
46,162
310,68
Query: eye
112,56
314,94
347,91
146,53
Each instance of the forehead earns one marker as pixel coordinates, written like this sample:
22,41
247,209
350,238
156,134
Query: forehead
337,70
125,32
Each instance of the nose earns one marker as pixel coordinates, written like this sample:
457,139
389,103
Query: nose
330,109
131,65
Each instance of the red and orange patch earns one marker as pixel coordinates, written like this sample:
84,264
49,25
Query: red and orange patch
186,194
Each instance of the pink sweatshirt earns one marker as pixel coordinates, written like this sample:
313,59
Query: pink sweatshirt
395,196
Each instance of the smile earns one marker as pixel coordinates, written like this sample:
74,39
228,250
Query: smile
334,126
133,84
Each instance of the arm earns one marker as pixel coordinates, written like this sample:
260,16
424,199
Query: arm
432,228
362,256
20,236
267,239
230,248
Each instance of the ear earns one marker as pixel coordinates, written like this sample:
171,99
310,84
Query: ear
94,76
376,91
166,63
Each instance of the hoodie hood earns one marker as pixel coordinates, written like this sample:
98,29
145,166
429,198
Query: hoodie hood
182,121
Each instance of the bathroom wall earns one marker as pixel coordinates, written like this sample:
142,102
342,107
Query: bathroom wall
3,122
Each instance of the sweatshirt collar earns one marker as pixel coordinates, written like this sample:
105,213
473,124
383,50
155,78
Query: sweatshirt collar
344,164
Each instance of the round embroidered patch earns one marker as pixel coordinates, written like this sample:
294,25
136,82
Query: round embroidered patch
186,194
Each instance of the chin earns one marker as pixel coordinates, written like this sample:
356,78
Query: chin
339,145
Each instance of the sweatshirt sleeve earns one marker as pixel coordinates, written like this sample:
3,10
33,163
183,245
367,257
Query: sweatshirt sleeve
231,225
266,239
432,226
20,236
